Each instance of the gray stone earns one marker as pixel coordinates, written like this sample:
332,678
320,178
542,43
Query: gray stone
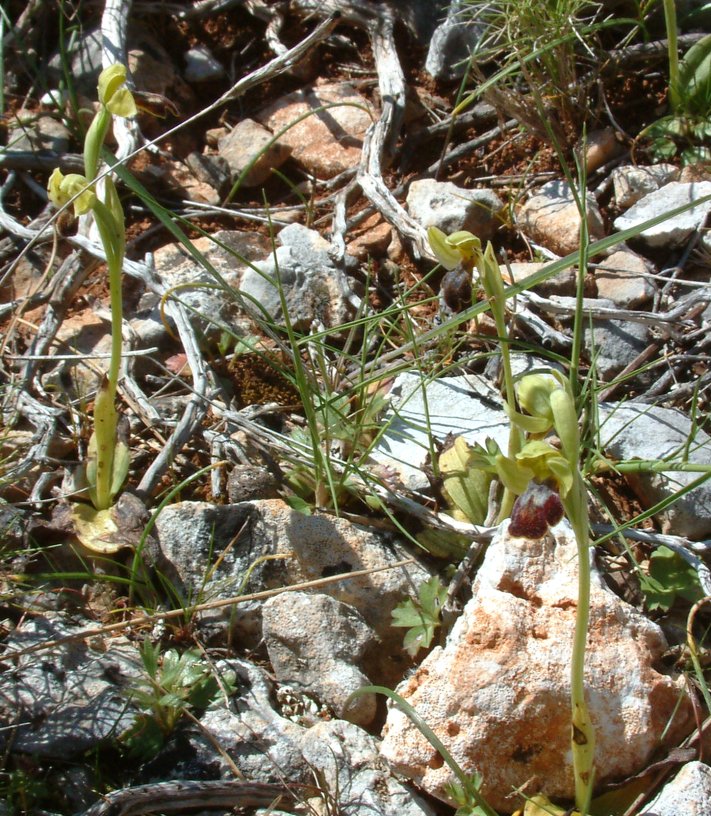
318,644
452,44
689,793
84,56
451,208
631,183
421,410
313,287
551,218
612,345
498,693
201,65
250,145
623,278
672,231
345,758
631,431
229,252
32,131
264,745
67,699
208,550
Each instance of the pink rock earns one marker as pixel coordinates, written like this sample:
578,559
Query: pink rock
248,142
551,218
498,693
328,141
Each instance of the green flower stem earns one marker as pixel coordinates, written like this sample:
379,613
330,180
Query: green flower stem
490,276
105,415
574,502
583,734
673,47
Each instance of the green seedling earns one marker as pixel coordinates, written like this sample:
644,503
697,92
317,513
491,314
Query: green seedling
174,685
107,462
669,578
687,129
421,616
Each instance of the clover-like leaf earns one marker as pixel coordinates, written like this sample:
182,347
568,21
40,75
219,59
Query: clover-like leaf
421,615
669,577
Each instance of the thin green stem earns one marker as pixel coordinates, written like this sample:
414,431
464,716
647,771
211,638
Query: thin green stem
673,47
583,734
105,414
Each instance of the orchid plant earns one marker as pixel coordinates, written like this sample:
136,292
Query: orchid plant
545,478
108,459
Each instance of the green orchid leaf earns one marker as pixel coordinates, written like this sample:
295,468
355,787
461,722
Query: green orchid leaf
695,77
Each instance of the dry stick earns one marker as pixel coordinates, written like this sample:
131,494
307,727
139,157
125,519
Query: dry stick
381,136
218,604
167,797
194,411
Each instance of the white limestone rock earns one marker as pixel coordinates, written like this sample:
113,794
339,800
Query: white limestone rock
623,278
689,793
199,539
250,145
636,431
498,693
631,183
345,760
201,65
451,208
328,141
672,231
315,289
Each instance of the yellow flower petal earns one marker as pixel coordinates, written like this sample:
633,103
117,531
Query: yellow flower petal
448,256
113,93
62,189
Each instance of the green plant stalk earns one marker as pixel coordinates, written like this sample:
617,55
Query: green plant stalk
583,255
490,275
113,240
673,47
583,734
565,421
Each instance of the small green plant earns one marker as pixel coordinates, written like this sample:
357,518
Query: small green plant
669,577
421,616
539,49
687,128
108,457
175,684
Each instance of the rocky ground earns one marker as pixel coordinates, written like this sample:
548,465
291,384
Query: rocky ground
201,651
